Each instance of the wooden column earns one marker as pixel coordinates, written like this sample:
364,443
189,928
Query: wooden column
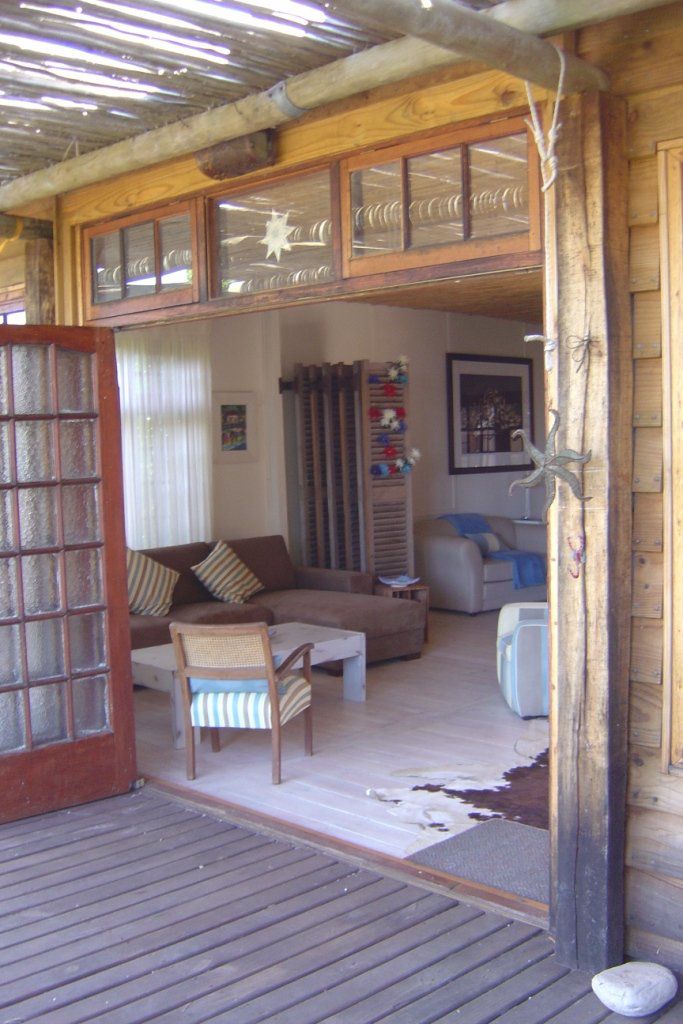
40,281
587,297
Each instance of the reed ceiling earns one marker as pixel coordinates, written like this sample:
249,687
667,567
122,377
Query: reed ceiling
78,76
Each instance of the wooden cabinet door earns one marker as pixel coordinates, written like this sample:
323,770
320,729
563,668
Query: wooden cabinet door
66,721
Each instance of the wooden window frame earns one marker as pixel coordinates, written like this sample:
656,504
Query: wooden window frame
423,256
671,250
97,311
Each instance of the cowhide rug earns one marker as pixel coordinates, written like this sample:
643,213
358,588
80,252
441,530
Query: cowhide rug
440,800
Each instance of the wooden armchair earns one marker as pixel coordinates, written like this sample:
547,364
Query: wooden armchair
229,680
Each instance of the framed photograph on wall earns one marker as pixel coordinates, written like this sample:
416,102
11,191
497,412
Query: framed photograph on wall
235,427
489,397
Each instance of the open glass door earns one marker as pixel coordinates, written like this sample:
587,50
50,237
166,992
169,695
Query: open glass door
66,721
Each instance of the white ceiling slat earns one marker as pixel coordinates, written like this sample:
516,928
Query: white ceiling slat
203,104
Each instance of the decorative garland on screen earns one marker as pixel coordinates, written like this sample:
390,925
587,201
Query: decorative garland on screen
393,421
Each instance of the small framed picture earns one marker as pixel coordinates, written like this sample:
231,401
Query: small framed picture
235,427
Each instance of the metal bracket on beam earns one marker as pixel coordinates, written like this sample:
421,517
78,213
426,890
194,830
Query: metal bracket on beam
278,94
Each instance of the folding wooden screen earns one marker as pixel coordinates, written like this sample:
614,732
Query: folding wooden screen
354,469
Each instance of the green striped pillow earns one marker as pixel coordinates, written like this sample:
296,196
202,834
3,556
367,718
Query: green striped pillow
226,577
150,585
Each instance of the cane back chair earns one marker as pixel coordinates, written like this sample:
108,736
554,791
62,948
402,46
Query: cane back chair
229,680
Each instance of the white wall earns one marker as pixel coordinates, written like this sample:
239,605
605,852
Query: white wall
251,352
342,331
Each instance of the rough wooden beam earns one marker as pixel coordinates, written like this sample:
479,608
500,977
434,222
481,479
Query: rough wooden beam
24,227
474,36
586,297
233,157
380,65
40,281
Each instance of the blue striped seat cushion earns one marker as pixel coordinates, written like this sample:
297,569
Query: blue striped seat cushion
150,585
250,710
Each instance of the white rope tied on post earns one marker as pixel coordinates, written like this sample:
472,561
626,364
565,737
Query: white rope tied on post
546,149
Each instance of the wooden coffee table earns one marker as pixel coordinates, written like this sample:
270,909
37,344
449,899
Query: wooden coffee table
155,667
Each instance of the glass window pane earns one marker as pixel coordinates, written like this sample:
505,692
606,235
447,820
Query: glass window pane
6,461
81,506
276,237
86,634
176,252
499,194
10,656
435,205
75,381
35,450
105,256
84,577
376,217
78,449
40,577
45,648
38,517
12,722
8,538
48,710
4,381
138,251
9,589
31,380
91,705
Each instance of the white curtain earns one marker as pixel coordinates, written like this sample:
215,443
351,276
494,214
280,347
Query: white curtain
165,389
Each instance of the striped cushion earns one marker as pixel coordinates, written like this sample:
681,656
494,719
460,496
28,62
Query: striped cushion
150,585
251,710
487,542
226,577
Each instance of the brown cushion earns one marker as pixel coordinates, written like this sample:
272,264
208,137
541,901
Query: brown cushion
362,613
152,630
182,557
268,559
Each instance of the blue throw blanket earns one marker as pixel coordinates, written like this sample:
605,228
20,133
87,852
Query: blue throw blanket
467,522
528,568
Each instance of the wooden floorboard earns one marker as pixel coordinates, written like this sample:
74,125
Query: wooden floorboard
144,909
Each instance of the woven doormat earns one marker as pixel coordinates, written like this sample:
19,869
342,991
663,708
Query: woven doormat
503,854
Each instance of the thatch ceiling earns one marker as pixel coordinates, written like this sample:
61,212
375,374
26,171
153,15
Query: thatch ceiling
78,76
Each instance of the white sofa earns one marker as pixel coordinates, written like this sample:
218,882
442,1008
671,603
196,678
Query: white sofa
460,579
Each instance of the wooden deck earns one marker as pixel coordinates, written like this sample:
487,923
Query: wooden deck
140,908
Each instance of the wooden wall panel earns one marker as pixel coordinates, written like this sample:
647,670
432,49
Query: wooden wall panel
649,787
653,903
648,586
646,651
648,522
647,393
654,117
647,459
642,191
638,51
655,843
645,715
650,946
647,325
644,258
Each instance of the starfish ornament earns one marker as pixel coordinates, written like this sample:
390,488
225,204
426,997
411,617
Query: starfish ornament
277,234
550,465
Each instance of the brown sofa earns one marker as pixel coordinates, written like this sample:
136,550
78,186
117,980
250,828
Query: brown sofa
323,597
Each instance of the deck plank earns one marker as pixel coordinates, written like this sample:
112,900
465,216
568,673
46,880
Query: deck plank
143,909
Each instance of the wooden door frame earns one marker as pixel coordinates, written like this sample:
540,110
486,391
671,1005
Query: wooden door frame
587,305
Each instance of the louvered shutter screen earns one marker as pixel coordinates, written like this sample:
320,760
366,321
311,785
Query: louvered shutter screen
351,516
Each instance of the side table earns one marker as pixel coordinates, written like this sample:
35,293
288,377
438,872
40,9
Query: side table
410,592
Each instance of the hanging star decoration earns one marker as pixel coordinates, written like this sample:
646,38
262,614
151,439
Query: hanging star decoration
277,235
550,466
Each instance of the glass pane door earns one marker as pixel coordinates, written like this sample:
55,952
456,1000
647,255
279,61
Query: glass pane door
63,685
